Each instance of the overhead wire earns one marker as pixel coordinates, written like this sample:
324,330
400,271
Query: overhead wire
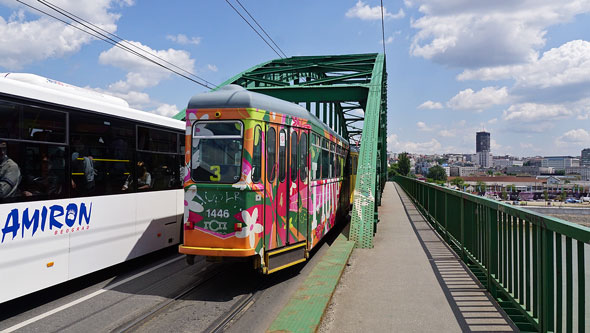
382,28
261,28
120,40
256,31
96,34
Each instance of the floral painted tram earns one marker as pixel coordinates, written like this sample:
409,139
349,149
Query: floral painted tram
265,180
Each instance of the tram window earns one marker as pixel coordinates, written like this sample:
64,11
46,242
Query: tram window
39,172
257,155
303,157
217,151
294,163
150,139
282,155
10,115
325,160
332,166
43,125
271,150
101,154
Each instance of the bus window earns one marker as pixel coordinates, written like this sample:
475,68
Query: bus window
257,155
43,125
271,140
101,154
10,115
217,151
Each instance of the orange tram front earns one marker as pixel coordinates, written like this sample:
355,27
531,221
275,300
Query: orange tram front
265,179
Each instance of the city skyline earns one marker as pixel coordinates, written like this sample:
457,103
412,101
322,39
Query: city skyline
519,70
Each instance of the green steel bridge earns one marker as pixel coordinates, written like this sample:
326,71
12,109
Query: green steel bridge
526,261
345,92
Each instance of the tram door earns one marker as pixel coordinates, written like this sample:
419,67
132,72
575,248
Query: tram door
282,198
293,188
302,184
270,185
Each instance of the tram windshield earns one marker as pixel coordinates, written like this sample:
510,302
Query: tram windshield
217,151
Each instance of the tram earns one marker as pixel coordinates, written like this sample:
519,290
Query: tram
266,180
85,182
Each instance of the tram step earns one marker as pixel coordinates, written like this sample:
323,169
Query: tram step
284,257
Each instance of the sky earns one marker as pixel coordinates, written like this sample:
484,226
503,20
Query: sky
517,69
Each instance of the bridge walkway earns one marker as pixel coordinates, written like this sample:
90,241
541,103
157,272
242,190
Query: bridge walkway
410,281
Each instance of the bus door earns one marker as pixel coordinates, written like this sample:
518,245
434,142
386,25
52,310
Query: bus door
282,198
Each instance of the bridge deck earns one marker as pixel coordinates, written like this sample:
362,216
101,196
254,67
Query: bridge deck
410,281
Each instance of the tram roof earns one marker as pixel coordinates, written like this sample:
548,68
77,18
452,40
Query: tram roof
235,96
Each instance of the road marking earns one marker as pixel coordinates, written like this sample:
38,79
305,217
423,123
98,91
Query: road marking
87,297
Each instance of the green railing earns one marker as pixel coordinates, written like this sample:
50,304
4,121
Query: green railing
532,264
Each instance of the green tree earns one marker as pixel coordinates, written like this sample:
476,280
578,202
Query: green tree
490,172
504,194
480,186
392,171
437,173
459,182
546,195
563,196
511,188
403,164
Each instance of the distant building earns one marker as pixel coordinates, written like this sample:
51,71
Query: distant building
585,158
484,159
501,163
523,170
560,162
584,172
482,141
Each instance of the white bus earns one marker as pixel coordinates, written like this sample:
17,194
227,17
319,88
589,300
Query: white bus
85,182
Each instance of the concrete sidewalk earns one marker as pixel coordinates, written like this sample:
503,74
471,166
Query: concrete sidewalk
410,281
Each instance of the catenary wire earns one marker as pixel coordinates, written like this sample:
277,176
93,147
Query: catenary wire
256,31
112,42
121,40
382,28
261,28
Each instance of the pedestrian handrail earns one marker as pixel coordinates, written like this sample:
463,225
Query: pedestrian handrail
532,264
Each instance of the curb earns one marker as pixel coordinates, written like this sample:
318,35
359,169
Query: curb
305,309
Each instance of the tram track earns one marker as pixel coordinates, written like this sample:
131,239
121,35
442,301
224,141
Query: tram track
205,276
221,324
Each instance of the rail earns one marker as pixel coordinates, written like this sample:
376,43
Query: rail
532,264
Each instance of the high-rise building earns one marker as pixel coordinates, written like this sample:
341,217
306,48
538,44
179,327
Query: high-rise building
482,141
585,159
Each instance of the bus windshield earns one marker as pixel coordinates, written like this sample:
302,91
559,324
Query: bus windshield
216,151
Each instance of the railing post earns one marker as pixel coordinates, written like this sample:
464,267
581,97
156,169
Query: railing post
546,313
462,240
446,217
492,217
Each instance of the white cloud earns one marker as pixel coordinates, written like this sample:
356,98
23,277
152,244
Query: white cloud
468,33
166,110
533,112
423,127
493,121
566,65
578,137
430,105
212,68
446,133
184,40
366,12
143,74
478,101
24,41
429,147
389,40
